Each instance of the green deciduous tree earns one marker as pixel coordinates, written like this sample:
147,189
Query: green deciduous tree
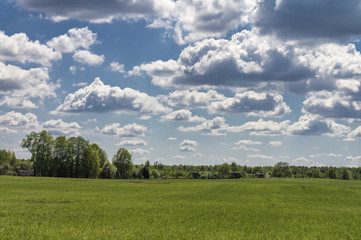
40,146
101,154
122,160
345,174
78,147
234,167
155,174
91,163
332,173
145,172
224,169
62,156
7,157
316,173
108,171
281,169
258,170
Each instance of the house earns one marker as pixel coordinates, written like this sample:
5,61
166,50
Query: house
261,175
194,175
235,175
25,173
213,176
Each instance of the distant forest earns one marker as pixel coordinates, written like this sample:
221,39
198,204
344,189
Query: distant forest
76,157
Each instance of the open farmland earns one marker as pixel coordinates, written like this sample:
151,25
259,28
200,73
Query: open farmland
56,208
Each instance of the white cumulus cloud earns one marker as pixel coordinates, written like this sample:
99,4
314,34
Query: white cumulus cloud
313,125
356,133
16,119
75,38
188,145
18,48
98,97
86,57
139,151
255,104
248,142
116,67
59,127
19,86
216,126
275,143
264,128
130,130
260,156
182,115
100,12
334,104
132,142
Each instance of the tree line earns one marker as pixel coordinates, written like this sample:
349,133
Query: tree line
76,157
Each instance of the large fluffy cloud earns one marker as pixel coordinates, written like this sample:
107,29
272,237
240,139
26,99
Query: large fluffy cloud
245,60
255,104
353,161
189,20
18,120
195,20
263,128
309,19
313,125
75,38
218,126
59,127
356,133
18,48
255,61
17,102
99,12
19,85
193,99
334,104
307,125
14,78
98,97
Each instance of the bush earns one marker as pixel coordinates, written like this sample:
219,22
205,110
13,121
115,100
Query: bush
155,174
108,171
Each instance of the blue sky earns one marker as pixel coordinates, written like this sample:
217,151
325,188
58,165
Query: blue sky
186,82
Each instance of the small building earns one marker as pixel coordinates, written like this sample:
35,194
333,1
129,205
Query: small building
214,176
194,175
235,175
25,173
261,175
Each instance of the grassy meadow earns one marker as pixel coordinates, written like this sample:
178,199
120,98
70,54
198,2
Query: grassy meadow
56,208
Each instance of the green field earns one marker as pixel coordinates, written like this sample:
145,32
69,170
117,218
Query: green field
56,208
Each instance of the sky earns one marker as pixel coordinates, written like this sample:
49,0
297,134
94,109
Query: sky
186,82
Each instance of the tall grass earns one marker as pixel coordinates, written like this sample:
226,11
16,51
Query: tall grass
55,208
